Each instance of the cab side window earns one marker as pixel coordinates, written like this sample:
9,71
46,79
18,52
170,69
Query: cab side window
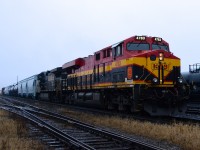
106,53
118,50
98,56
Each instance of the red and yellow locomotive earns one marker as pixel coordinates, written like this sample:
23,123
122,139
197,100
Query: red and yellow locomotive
139,73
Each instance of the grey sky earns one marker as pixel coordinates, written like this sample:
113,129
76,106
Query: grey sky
37,35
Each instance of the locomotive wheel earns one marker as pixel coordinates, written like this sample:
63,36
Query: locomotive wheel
109,104
136,107
121,107
133,107
107,101
71,99
66,100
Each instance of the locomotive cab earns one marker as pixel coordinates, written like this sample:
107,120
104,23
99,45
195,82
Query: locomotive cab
148,60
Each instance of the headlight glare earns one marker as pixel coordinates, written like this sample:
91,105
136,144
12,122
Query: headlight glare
155,80
180,80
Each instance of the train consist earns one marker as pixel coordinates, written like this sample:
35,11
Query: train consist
139,73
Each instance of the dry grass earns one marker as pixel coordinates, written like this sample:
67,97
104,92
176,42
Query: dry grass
13,134
185,135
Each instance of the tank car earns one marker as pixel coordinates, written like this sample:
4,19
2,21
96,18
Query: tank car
192,78
9,90
13,90
138,73
4,91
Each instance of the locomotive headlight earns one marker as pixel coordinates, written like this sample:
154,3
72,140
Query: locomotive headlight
155,80
194,87
180,80
161,56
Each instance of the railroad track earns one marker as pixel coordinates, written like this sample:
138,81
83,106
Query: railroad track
35,129
69,131
100,111
193,108
192,114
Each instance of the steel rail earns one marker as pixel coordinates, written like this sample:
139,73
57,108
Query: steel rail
56,132
90,127
97,130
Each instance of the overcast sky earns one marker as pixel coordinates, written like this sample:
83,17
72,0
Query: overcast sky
38,35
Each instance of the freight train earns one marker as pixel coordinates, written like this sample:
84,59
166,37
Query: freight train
137,74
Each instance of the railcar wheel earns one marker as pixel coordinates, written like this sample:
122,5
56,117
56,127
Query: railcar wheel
134,107
71,99
66,100
107,101
121,107
110,105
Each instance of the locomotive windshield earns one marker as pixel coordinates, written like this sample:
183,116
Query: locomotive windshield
138,46
146,46
159,46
